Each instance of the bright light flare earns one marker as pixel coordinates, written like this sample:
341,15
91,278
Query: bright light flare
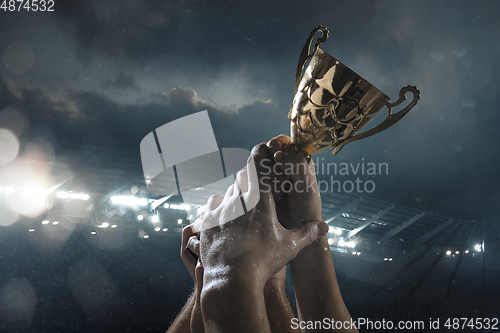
30,200
350,244
129,200
7,189
9,147
336,231
155,218
448,253
72,196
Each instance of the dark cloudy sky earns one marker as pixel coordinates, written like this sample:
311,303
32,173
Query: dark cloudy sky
106,73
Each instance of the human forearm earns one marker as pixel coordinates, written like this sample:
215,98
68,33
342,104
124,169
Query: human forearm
232,303
278,307
181,324
315,284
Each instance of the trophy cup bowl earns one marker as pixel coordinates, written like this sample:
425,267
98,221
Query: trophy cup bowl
332,103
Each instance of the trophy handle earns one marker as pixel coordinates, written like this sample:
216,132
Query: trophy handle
390,120
305,55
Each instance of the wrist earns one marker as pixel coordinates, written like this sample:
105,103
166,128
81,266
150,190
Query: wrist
229,299
314,254
225,275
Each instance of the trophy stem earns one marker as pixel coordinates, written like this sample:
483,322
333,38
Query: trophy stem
295,150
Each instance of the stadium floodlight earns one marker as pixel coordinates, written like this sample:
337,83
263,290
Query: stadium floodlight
350,244
128,200
72,196
62,194
181,206
336,231
79,196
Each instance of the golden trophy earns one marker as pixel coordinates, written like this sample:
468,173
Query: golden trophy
332,103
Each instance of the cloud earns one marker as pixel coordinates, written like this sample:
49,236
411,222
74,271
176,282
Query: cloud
122,81
92,118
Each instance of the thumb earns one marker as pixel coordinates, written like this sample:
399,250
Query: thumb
308,233
198,278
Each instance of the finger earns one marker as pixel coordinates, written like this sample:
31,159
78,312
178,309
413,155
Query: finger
302,173
253,195
279,143
274,146
187,232
187,256
261,162
242,181
307,234
199,277
196,322
196,226
192,258
194,245
230,191
213,202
